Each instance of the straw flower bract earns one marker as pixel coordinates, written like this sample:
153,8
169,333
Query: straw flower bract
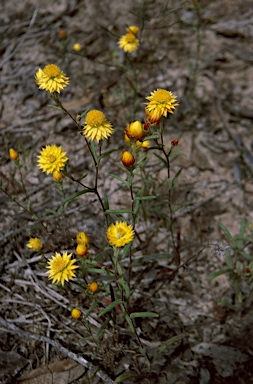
51,159
82,238
51,78
96,126
34,244
13,154
57,175
135,130
81,250
61,268
120,234
127,159
129,42
160,103
93,287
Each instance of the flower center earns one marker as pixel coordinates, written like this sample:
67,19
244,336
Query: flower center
120,233
51,158
95,118
162,96
51,70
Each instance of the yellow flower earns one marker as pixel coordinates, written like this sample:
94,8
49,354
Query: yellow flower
57,176
82,238
96,126
120,234
93,287
34,244
51,78
127,159
160,102
132,29
128,42
81,250
51,159
76,313
143,145
61,268
77,47
135,131
13,154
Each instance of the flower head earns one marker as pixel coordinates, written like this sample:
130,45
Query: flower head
120,234
82,238
34,244
76,47
81,250
96,126
51,159
160,102
93,287
61,268
128,42
51,78
127,159
13,154
135,131
57,175
76,313
132,29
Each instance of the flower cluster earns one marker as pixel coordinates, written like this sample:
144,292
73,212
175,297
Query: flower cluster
129,41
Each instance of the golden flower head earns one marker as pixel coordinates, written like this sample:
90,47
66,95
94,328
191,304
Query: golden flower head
142,144
120,234
76,47
81,250
135,131
57,175
34,244
128,42
76,313
93,287
96,126
13,154
51,159
51,78
61,268
160,103
132,29
127,159
82,238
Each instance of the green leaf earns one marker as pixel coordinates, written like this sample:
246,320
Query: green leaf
93,150
220,272
167,343
162,159
125,286
126,250
144,198
225,231
151,137
102,328
248,257
173,181
129,321
133,315
93,306
125,376
54,106
120,179
108,153
174,154
82,177
151,257
110,307
75,195
115,211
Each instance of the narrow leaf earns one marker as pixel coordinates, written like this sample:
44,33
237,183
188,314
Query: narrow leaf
110,307
220,272
167,343
143,314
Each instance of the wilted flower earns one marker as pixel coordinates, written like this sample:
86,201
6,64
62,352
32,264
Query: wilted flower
51,78
96,126
34,244
51,159
61,268
160,103
120,234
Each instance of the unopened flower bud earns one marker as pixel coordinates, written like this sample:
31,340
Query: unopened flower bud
13,154
127,159
81,250
76,313
57,176
93,287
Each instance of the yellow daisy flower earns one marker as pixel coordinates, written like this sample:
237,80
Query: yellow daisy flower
96,126
76,313
128,42
51,78
160,102
34,244
51,159
120,234
61,268
135,131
